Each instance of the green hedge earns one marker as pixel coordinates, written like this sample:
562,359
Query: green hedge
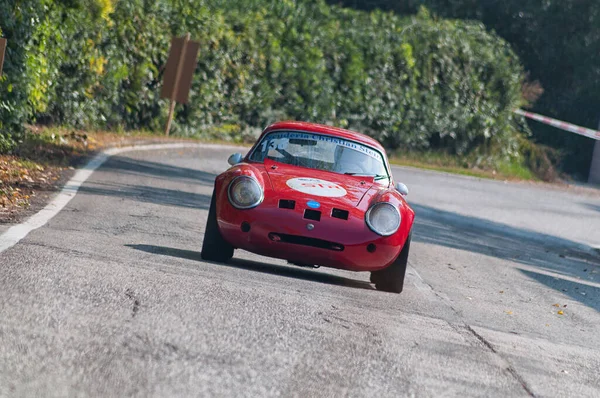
412,83
558,42
18,21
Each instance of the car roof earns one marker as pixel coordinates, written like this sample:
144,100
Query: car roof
324,129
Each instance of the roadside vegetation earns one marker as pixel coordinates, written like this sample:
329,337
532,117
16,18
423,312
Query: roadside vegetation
558,42
510,170
41,162
428,88
36,165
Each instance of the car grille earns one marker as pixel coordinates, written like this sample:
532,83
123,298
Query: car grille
305,241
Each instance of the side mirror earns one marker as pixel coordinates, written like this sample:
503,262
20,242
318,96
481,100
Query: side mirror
235,159
403,189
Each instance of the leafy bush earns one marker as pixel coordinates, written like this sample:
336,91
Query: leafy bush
416,82
18,21
558,42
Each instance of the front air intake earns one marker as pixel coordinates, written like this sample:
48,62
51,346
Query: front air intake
339,213
312,215
287,204
306,241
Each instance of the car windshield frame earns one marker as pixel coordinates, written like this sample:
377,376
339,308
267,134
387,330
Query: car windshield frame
387,177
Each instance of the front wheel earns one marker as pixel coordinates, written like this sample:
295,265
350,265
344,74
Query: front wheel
214,247
391,279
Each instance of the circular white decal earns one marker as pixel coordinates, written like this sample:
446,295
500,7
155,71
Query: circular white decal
314,186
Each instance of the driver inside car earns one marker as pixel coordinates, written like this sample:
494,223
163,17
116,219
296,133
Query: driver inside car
348,160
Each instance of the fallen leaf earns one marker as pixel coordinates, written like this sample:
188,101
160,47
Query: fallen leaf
501,291
509,312
556,305
560,312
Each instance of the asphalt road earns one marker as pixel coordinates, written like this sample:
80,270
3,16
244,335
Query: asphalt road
111,298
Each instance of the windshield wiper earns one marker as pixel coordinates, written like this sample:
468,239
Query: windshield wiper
375,176
381,177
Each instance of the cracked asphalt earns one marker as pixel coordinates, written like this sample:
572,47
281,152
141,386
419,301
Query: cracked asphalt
111,298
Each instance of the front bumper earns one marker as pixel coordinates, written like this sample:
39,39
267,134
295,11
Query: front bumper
284,234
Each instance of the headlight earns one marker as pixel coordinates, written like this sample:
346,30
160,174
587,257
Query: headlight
245,192
383,219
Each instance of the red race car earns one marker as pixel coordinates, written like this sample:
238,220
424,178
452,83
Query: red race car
316,196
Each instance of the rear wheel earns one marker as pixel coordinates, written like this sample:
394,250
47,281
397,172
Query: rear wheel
391,279
214,247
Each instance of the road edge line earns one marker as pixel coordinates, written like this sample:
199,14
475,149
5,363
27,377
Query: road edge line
14,234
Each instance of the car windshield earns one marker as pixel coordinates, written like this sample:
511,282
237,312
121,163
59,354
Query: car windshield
321,152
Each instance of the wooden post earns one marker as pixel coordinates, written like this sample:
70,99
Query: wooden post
186,39
2,48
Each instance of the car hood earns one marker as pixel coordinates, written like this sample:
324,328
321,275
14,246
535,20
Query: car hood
322,186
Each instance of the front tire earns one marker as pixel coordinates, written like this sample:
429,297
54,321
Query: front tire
214,247
391,279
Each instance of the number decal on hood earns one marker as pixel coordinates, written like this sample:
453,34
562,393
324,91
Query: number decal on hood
316,187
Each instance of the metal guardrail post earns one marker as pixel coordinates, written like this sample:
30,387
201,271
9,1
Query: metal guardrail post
594,176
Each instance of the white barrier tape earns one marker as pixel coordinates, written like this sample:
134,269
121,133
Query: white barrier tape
573,128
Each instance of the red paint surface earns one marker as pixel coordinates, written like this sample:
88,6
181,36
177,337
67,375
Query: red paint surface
353,233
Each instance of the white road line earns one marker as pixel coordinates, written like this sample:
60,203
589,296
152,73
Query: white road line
14,234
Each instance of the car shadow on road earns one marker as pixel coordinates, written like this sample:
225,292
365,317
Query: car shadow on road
149,194
255,266
152,193
582,292
125,165
592,206
560,256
